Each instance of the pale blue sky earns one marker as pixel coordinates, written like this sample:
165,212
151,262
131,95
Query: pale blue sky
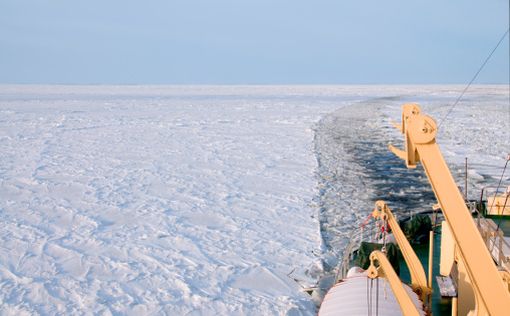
251,41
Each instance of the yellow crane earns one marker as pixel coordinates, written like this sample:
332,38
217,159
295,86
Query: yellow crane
482,288
384,269
418,278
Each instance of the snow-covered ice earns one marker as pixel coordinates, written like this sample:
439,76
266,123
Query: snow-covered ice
145,200
197,200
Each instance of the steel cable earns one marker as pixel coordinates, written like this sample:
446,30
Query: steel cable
474,78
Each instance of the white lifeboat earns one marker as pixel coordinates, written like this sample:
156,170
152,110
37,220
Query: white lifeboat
359,295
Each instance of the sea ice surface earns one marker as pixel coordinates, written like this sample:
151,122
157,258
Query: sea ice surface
201,200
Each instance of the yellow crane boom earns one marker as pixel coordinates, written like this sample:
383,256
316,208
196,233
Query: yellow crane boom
384,269
418,278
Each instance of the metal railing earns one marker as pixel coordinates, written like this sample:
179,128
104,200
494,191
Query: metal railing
369,231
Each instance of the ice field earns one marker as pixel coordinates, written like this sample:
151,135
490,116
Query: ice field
206,200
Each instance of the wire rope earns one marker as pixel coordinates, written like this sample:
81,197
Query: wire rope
377,298
474,77
497,191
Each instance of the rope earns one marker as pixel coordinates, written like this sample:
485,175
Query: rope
497,189
474,77
506,199
369,295
377,298
362,227
365,222
384,232
377,231
499,223
368,299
